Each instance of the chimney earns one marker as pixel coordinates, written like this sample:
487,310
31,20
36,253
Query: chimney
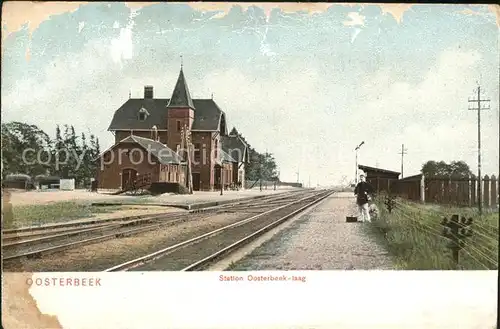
148,92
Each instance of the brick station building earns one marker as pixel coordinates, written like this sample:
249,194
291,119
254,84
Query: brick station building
152,129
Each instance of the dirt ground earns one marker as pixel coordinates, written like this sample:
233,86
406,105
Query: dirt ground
129,211
19,197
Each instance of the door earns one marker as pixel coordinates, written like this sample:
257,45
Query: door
196,181
217,177
128,177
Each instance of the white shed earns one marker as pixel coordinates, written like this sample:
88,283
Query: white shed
67,184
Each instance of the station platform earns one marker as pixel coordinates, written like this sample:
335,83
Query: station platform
319,239
198,197
201,199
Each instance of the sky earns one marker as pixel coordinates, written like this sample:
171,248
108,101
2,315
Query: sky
306,82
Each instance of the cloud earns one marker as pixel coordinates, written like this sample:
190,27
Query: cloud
297,104
355,19
17,14
290,113
121,47
482,11
430,117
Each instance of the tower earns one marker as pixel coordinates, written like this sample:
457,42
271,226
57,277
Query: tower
180,112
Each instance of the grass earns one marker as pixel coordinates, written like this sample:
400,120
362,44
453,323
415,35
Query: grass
28,215
412,235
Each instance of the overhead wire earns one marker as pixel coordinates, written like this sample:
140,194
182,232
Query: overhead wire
429,229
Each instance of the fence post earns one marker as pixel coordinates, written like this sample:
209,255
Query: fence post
468,192
473,191
446,192
486,191
494,193
422,189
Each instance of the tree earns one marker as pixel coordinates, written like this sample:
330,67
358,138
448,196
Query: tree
25,149
65,151
459,169
261,166
456,169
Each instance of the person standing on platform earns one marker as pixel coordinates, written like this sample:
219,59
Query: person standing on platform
363,191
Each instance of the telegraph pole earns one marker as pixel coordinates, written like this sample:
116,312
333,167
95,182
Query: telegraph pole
356,173
479,109
260,172
403,152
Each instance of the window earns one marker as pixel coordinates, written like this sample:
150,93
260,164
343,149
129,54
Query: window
178,125
215,149
143,114
197,152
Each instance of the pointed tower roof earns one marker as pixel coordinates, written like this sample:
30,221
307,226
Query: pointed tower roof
233,132
181,96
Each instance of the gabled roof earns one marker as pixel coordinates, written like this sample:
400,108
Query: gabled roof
226,157
160,151
235,147
412,178
378,170
181,96
207,115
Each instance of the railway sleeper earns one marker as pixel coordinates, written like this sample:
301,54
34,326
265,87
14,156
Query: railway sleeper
36,255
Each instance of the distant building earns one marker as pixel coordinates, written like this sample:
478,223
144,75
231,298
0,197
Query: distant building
18,181
155,127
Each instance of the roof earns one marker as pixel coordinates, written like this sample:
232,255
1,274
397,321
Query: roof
226,157
181,96
378,170
163,153
17,178
414,177
235,147
47,178
206,117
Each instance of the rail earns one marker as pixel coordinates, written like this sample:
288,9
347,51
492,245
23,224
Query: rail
163,252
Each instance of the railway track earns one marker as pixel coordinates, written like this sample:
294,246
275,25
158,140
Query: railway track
44,242
195,253
35,248
33,231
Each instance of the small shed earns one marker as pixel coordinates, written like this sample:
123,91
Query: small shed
380,179
48,182
18,181
67,184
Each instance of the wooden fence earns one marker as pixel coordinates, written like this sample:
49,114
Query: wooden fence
444,190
